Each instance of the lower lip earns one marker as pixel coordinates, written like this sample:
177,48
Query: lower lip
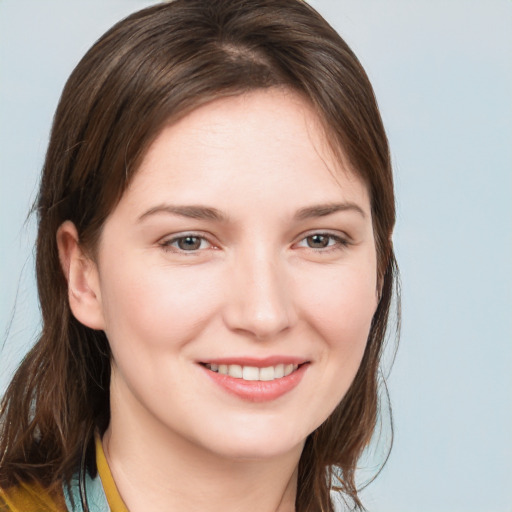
258,390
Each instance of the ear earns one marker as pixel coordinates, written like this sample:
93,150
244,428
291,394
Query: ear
81,273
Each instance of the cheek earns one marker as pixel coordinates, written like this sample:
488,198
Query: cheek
340,314
153,308
338,305
343,307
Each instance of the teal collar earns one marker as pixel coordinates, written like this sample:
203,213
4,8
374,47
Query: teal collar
94,493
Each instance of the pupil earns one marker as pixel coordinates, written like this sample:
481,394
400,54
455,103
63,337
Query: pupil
318,241
189,243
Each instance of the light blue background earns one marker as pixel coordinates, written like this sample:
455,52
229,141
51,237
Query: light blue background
442,72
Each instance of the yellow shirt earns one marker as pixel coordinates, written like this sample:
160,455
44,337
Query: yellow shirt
33,498
114,499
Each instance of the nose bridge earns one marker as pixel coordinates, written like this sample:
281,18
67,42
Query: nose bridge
259,299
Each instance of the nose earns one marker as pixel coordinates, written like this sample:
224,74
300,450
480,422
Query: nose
260,302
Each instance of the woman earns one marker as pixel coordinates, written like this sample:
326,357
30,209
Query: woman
215,270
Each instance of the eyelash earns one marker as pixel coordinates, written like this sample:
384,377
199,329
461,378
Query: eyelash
338,242
334,242
168,245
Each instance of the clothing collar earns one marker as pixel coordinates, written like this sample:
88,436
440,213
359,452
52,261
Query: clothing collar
101,492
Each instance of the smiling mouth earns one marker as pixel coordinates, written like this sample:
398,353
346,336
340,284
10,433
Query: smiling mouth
253,373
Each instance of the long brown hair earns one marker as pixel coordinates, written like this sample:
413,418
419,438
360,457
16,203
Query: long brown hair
149,69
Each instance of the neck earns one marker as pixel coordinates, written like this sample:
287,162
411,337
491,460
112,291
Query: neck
157,470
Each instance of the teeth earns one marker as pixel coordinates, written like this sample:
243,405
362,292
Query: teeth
267,373
253,373
288,369
235,370
279,371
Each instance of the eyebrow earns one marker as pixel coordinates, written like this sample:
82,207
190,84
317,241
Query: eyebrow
213,214
321,210
191,212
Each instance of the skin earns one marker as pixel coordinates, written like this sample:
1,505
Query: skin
257,283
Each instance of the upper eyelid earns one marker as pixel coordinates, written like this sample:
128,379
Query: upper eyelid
185,234
338,239
168,240
326,232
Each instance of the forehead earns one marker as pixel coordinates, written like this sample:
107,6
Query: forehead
260,144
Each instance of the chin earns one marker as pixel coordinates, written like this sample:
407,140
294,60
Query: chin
256,442
258,450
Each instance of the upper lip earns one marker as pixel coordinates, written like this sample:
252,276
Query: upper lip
256,362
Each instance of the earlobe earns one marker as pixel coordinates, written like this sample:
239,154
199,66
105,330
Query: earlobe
82,277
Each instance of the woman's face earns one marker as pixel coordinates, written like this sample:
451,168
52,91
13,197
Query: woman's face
241,251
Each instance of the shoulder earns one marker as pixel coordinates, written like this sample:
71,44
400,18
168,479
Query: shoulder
29,498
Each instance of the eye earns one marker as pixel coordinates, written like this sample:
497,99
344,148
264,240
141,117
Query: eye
186,243
322,241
